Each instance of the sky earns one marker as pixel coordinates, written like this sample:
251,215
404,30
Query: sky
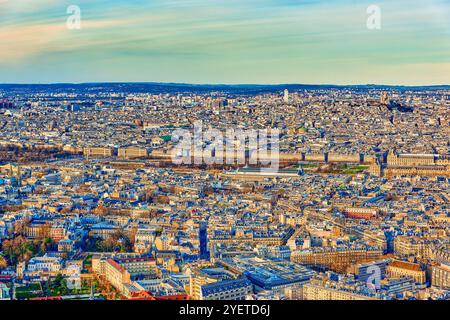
226,41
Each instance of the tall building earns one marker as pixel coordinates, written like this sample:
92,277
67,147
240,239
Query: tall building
286,96
203,239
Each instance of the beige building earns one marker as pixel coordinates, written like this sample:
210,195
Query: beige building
440,276
122,272
98,152
336,260
411,159
195,285
318,292
401,269
348,158
412,246
429,165
132,153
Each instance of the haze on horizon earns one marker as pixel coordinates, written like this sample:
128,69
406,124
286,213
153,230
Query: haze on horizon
226,41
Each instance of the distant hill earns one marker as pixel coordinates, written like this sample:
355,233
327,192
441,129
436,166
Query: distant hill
156,87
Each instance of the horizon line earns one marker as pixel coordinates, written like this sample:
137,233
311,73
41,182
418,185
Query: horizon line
226,84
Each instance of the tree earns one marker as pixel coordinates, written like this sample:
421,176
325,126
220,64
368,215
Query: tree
3,263
121,240
57,282
101,210
46,244
162,199
8,247
107,245
132,234
19,249
20,226
25,248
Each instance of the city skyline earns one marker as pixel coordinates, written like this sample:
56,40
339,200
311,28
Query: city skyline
172,192
237,42
188,151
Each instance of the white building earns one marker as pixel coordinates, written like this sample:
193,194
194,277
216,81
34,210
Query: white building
286,96
44,264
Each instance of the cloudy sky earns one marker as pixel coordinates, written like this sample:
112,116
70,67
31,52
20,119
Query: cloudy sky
226,41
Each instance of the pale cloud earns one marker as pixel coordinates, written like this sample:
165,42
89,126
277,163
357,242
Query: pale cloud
17,43
23,6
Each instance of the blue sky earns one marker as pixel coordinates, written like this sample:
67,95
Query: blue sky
226,41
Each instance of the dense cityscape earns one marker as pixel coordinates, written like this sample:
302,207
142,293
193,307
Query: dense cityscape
94,205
